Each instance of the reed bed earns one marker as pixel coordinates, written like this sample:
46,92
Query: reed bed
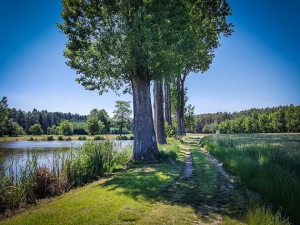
23,185
268,164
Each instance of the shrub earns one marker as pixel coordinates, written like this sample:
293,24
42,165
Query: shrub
50,138
60,138
98,138
82,138
121,138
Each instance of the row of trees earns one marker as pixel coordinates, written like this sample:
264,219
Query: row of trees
265,120
17,122
130,44
285,119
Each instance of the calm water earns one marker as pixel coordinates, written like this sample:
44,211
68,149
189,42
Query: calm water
17,152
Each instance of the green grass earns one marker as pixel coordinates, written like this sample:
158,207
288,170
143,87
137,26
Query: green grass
268,164
150,194
142,194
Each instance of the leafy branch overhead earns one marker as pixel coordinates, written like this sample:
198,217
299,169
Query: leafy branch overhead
111,41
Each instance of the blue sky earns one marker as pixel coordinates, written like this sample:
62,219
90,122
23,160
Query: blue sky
257,67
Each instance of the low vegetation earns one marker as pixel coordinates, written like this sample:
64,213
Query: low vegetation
81,165
144,193
268,164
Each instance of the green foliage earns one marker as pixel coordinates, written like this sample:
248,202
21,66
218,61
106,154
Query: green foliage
99,137
210,128
14,129
121,137
60,138
82,138
262,215
268,164
122,114
65,128
52,130
69,169
171,130
79,128
189,117
36,129
94,125
50,138
3,115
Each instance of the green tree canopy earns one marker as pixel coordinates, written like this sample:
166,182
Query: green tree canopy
103,117
4,111
112,44
94,125
36,129
65,128
122,114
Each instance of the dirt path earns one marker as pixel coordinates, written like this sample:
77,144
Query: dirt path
188,162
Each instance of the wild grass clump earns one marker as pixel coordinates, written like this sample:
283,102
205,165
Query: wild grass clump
66,170
17,188
121,137
99,138
82,138
268,164
60,138
264,215
50,138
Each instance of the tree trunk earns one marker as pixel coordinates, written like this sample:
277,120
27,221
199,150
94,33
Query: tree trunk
159,113
167,103
145,146
180,106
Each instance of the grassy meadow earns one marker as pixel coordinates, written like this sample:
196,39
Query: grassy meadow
148,193
267,163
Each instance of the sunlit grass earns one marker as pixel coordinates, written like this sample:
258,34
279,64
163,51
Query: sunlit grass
268,164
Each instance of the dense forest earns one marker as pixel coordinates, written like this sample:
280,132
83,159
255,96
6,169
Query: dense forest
15,122
45,119
279,119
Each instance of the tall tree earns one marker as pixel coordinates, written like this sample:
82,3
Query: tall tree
189,117
4,111
122,114
65,128
167,103
116,43
159,121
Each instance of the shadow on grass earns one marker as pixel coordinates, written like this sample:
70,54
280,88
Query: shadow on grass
205,190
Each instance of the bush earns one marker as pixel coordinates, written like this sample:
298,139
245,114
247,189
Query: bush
171,130
50,138
121,138
60,138
99,138
82,138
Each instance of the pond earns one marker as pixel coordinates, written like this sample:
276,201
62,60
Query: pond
13,155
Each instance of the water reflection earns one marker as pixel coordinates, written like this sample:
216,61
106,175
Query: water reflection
14,155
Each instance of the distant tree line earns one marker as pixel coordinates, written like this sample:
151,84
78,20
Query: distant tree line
267,120
15,122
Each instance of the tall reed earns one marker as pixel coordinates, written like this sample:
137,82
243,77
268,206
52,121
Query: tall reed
65,170
268,164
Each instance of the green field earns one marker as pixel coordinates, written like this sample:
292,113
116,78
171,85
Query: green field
268,163
159,193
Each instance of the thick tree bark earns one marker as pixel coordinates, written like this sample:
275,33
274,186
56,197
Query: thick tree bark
180,106
145,146
167,103
159,113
